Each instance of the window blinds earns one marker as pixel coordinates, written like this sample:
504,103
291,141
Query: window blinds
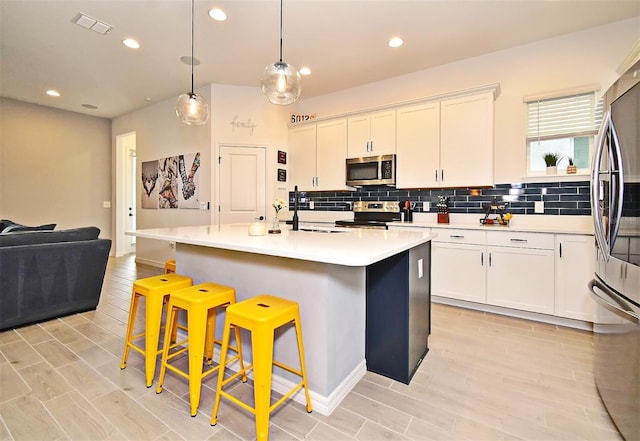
563,117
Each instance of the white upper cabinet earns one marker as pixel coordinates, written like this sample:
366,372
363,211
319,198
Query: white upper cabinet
466,141
318,153
447,143
372,134
302,157
418,145
331,151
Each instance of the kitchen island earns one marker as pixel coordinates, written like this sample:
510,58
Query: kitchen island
364,295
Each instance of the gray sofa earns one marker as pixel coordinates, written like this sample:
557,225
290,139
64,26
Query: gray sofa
46,274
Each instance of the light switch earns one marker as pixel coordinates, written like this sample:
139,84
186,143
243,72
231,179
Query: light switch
106,204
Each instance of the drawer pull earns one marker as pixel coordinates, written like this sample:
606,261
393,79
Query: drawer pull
456,236
519,240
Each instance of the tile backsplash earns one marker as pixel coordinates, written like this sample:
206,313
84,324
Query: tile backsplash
566,198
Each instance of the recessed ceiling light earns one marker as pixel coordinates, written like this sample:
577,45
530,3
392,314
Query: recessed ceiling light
217,14
131,43
305,71
53,92
395,42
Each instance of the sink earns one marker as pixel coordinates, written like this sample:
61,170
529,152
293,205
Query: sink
321,230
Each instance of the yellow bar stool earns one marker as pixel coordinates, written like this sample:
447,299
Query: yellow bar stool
170,266
261,315
200,302
154,289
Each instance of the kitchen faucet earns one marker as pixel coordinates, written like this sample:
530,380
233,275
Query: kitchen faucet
295,208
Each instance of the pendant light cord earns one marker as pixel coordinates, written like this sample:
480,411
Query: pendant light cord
192,20
280,31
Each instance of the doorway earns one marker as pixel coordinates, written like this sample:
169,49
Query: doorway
241,183
126,191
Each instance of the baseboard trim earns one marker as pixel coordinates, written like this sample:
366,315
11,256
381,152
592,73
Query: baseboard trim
534,316
322,404
149,262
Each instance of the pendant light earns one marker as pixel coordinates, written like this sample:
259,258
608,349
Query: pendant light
281,82
191,108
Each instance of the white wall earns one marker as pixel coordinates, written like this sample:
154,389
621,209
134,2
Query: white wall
159,133
249,107
577,59
55,167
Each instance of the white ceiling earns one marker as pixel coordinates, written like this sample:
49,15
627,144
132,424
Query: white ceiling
343,42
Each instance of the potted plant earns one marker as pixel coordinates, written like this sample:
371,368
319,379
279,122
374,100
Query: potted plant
571,168
551,160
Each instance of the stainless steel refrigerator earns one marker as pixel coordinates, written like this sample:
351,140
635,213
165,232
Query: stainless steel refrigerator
615,202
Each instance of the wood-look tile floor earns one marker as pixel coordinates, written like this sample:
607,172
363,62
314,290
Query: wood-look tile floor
485,377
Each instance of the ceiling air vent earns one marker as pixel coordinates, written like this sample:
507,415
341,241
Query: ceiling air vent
91,23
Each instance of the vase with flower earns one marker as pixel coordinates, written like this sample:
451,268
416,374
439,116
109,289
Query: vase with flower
277,205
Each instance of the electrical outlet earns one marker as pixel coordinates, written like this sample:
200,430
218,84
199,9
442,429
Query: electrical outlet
538,207
311,205
203,205
426,206
172,244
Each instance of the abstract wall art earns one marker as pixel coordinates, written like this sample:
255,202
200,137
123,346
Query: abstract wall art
171,182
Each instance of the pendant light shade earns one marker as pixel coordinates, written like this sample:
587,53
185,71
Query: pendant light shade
281,83
191,108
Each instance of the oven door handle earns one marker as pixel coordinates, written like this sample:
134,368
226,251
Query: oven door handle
620,309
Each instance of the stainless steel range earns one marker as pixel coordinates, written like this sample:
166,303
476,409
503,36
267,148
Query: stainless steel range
372,214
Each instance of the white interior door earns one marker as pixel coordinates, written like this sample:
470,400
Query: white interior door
126,198
242,183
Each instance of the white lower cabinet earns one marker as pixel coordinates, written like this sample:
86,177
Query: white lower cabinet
458,272
520,271
521,278
575,261
458,264
534,272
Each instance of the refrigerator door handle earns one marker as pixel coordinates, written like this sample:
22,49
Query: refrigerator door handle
597,190
606,300
617,181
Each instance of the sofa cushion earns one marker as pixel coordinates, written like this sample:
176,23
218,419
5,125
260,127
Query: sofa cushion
4,223
50,236
17,227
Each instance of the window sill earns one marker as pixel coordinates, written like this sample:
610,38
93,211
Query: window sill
562,177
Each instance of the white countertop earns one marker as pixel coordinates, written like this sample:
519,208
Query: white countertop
551,229
519,223
350,247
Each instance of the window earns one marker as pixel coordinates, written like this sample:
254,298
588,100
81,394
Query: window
566,125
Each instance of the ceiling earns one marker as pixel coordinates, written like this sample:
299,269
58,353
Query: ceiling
344,43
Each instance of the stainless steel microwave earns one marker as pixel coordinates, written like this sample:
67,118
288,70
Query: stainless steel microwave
371,170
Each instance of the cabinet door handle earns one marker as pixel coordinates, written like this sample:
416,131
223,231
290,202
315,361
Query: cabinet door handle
519,240
436,175
482,258
489,259
371,147
317,181
456,236
561,249
442,175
